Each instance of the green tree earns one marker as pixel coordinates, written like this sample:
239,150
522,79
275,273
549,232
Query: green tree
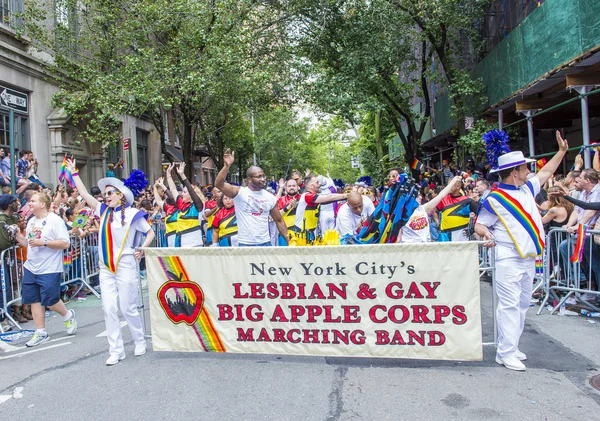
205,63
385,55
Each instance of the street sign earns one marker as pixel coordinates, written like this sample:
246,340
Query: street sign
355,163
14,99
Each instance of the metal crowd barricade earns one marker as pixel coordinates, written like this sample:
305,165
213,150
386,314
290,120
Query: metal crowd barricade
91,262
76,262
574,279
160,239
487,265
11,273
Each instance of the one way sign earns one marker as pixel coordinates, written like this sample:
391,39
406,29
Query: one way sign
14,99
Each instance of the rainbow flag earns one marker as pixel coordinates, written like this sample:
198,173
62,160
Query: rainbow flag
417,165
577,255
65,174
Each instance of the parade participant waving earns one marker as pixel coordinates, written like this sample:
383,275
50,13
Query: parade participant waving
45,238
307,214
287,205
189,205
225,224
119,223
210,210
169,207
509,219
253,205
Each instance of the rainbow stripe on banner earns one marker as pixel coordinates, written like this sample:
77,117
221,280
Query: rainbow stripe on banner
516,210
416,165
203,326
577,255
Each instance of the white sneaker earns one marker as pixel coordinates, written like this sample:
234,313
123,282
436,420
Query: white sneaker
520,355
114,358
511,362
71,324
38,338
140,349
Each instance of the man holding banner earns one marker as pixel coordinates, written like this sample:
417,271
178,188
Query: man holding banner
509,219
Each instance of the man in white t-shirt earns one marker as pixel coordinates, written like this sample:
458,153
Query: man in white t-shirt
253,205
45,238
353,213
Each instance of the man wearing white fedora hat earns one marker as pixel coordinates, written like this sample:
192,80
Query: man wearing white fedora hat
509,219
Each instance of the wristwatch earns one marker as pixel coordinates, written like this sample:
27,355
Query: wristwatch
45,243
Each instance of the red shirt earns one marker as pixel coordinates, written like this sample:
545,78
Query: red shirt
449,200
210,204
181,205
284,200
222,214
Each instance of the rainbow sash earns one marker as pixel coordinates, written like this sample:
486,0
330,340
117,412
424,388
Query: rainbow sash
203,326
577,255
106,249
525,233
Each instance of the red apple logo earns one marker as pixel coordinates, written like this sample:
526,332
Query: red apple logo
181,301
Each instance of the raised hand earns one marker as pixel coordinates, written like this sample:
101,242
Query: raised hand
229,158
181,169
169,169
578,162
71,165
563,145
281,183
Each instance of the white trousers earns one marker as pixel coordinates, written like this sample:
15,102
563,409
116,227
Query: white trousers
122,286
514,283
326,220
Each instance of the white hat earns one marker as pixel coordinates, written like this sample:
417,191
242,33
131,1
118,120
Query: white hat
511,160
117,184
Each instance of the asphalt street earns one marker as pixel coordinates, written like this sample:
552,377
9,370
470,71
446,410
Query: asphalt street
67,378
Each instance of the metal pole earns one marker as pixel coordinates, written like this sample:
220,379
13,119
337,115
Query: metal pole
11,134
253,146
500,119
585,127
494,295
530,135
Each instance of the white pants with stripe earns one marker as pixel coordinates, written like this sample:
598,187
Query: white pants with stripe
514,283
121,287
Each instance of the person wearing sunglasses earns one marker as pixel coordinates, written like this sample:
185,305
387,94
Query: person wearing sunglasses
119,224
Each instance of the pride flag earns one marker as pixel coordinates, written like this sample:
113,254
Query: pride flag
577,255
65,174
417,165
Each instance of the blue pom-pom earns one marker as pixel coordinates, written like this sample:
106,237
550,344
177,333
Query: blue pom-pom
365,179
496,144
136,182
273,185
338,183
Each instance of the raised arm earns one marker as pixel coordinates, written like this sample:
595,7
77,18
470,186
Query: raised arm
171,183
596,160
198,202
432,204
157,199
89,199
220,183
547,170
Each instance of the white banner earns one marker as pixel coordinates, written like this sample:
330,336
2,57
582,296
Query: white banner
396,301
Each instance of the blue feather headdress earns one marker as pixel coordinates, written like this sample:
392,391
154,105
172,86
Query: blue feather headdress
365,179
338,183
136,182
496,144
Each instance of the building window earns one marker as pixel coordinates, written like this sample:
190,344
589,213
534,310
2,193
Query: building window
141,137
21,132
65,22
9,13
